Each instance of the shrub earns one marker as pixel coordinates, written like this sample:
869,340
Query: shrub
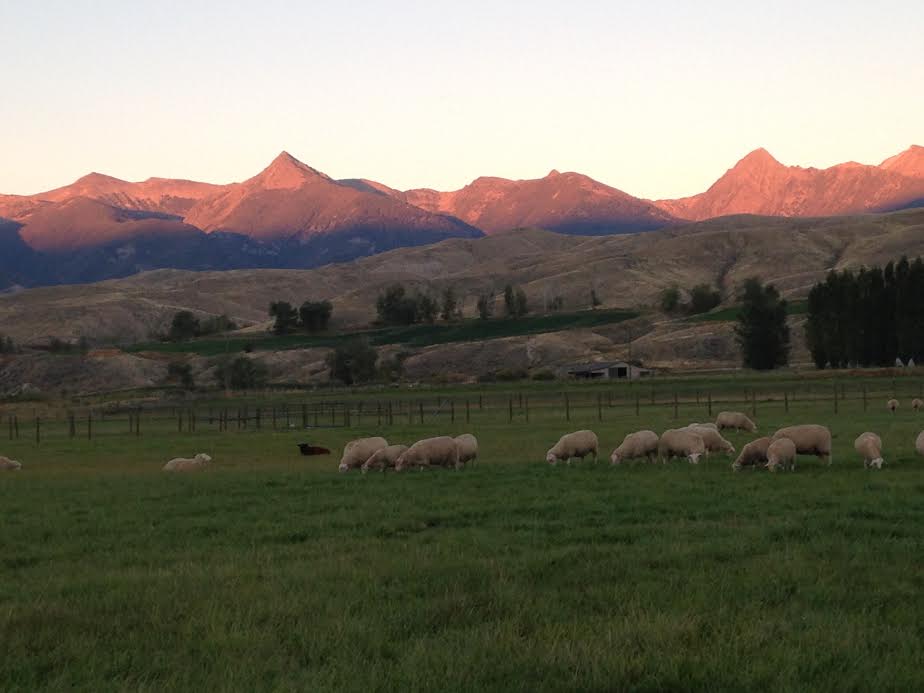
241,373
353,362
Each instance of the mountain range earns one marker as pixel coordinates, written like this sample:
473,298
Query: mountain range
293,216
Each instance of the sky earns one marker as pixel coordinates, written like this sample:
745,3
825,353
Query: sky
657,98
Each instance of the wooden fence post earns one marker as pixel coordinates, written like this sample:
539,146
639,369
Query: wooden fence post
709,403
89,425
786,401
567,408
510,409
304,415
637,402
599,407
864,398
468,411
38,430
835,399
675,404
526,408
452,411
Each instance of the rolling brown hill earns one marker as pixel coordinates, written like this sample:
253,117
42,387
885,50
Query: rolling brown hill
759,184
625,271
563,202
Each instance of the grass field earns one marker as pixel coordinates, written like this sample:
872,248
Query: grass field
273,572
411,335
730,314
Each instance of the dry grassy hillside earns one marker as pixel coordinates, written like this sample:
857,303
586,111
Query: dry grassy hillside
626,271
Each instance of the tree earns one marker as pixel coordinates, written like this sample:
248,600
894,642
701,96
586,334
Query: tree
241,373
6,345
515,305
762,332
315,315
451,309
216,324
353,362
286,317
594,299
184,327
485,306
395,307
703,298
670,299
522,308
181,373
556,304
426,308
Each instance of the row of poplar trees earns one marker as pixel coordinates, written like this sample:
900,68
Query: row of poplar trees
868,318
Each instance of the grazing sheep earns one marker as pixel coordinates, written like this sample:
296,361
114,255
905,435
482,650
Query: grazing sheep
430,452
383,458
8,465
637,445
781,453
468,448
752,454
892,405
702,425
735,420
712,439
308,450
184,464
578,444
869,445
680,442
356,452
810,439
916,404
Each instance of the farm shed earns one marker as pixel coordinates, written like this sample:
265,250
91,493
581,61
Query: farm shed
608,370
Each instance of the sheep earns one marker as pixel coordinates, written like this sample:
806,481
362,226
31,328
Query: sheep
782,452
712,439
681,442
308,449
892,405
809,439
356,452
578,444
869,445
735,420
468,448
916,404
8,465
919,444
430,452
752,454
383,458
702,425
185,464
636,445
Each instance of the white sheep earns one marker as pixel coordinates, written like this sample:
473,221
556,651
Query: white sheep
809,439
892,405
441,451
712,439
185,464
752,454
578,444
702,425
356,452
919,444
916,404
680,442
468,448
735,420
384,458
869,445
636,445
781,453
8,465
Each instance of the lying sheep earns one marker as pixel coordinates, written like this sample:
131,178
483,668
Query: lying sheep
356,452
735,420
8,465
578,444
680,442
636,445
712,439
809,439
781,453
892,405
752,454
468,448
869,445
916,404
184,464
430,452
384,458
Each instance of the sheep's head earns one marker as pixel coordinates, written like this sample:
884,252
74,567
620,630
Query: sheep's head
615,458
550,457
877,463
202,458
401,462
694,457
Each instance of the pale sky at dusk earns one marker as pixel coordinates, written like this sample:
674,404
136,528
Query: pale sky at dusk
657,98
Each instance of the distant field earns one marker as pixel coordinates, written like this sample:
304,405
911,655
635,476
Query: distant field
273,571
412,335
731,314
